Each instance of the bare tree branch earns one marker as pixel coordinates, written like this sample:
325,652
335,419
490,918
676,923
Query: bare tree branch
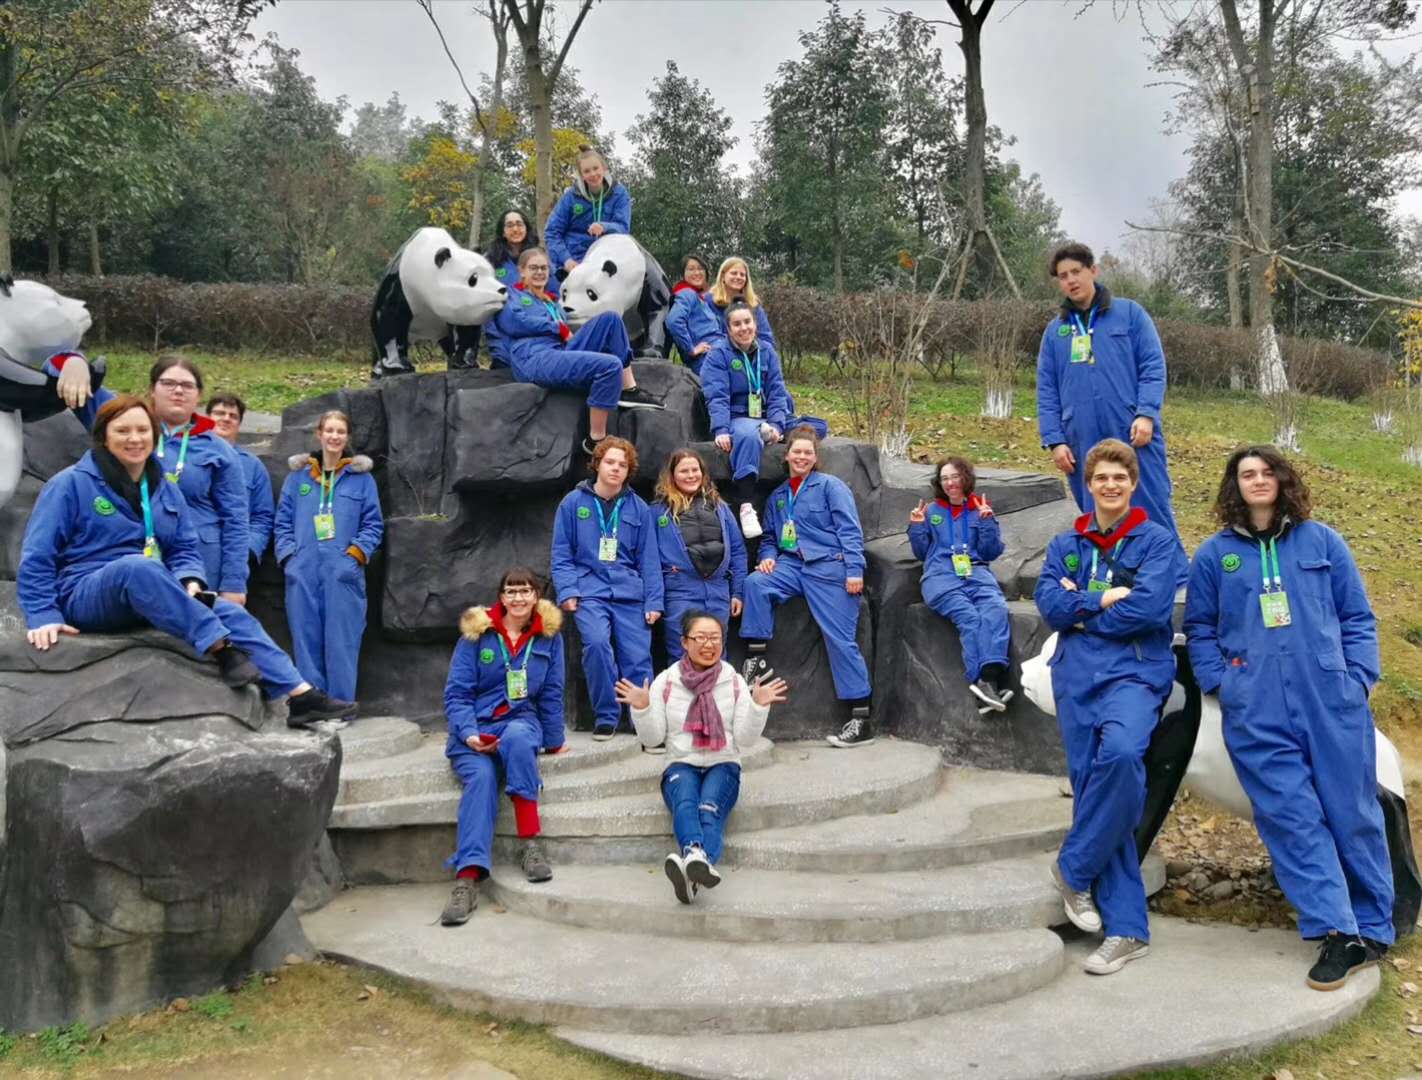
557,67
427,6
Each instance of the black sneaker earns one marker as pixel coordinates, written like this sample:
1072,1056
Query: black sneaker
535,863
857,731
462,902
1338,957
236,667
637,398
590,445
756,666
316,705
1376,949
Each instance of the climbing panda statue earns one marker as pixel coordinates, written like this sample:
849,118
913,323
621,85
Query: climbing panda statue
433,290
618,274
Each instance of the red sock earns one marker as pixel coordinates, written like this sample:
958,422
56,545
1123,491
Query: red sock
473,872
525,816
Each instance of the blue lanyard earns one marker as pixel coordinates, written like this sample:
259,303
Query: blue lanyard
177,473
1090,320
790,498
508,660
325,501
952,532
1114,552
148,537
758,380
602,518
597,207
554,310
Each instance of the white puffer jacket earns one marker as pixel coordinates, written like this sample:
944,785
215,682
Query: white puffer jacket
665,717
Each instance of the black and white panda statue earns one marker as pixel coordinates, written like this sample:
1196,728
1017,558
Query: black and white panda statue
433,290
619,274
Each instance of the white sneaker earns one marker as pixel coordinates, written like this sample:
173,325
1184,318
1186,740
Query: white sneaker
676,873
750,524
698,869
1114,954
768,433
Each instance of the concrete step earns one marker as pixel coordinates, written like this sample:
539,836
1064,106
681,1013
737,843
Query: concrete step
527,969
1205,993
377,737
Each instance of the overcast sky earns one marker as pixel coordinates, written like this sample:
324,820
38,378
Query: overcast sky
1075,90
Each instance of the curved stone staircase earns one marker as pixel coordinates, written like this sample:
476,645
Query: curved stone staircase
881,916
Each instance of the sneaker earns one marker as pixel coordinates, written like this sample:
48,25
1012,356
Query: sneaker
590,445
1080,909
461,904
769,433
535,863
698,869
1005,696
756,666
1114,954
857,731
1376,949
637,398
750,523
676,874
985,692
308,708
602,734
236,667
1338,957
660,748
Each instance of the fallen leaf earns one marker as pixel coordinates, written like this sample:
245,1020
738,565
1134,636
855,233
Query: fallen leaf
372,991
1414,1029
180,1005
362,996
1281,1074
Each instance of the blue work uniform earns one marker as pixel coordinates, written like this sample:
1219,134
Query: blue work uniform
683,586
1111,675
508,275
83,563
1294,702
691,322
828,550
261,504
1086,394
971,601
325,578
477,702
566,234
532,335
728,378
614,595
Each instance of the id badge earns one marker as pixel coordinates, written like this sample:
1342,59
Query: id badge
516,682
1274,606
607,549
1097,586
325,526
788,539
753,407
962,565
1081,348
151,550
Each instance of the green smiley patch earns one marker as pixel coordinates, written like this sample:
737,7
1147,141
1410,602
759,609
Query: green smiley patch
578,208
662,521
1064,330
1230,563
486,656
304,489
501,273
102,506
780,503
526,301
584,512
736,365
937,519
1073,561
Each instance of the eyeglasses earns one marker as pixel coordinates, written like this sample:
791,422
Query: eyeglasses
533,268
520,593
177,386
704,639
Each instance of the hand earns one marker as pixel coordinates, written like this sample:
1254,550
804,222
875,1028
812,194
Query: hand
736,607
1065,459
596,229
652,616
570,265
918,515
724,442
45,636
483,744
1114,596
768,693
194,588
238,598
701,349
632,695
570,604
73,386
854,586
1067,584
765,566
982,506
1142,428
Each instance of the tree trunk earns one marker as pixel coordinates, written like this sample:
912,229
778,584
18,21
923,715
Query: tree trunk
7,200
10,133
1236,251
95,266
540,93
975,147
491,120
52,228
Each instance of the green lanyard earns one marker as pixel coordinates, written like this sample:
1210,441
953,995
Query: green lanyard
177,473
1114,552
325,501
150,542
508,660
602,526
1266,556
597,207
758,380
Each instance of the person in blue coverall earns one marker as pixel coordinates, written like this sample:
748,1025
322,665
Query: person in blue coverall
504,703
227,412
1108,589
1279,626
543,349
111,546
606,568
703,556
748,404
956,538
1101,375
594,206
328,526
692,323
511,238
733,283
813,547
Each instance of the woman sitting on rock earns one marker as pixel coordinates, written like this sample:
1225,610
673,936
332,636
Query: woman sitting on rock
111,546
593,206
956,537
328,526
749,406
703,558
692,323
607,573
504,704
703,711
733,284
543,349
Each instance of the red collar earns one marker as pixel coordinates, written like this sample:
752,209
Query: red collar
683,286
535,626
1085,526
796,481
970,503
523,286
201,424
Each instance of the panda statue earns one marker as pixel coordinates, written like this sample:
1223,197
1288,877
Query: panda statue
38,326
1188,746
618,274
433,290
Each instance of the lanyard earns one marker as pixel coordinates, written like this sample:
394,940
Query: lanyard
790,498
602,518
1109,562
597,206
758,380
554,310
1265,557
182,450
325,501
508,660
952,532
148,538
1090,320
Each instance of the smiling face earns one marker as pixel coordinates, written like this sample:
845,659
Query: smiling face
695,274
742,327
1258,485
704,641
952,483
1111,486
592,170
129,437
1077,281
735,276
515,228
333,437
535,273
801,457
687,475
227,420
175,396
612,469
519,599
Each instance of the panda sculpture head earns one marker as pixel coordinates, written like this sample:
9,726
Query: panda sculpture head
609,278
448,283
36,322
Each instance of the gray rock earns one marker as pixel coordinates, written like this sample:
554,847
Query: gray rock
285,942
512,436
1220,890
1025,535
323,880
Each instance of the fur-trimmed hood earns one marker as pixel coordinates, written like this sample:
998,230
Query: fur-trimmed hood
476,621
357,464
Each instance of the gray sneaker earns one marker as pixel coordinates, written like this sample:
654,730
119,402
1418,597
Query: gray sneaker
535,863
1114,954
1080,910
985,692
462,902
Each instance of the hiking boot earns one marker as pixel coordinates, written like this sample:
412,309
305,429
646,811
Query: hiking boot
698,869
603,733
314,705
676,874
1080,908
236,667
1338,957
985,692
1114,954
535,864
461,904
857,731
637,398
750,523
756,666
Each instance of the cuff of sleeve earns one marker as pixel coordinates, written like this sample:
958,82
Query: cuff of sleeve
189,579
1053,439
1153,415
44,618
465,732
854,572
357,554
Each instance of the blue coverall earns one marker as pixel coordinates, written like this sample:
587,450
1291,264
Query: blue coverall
1082,403
566,234
477,687
325,581
684,587
507,273
974,604
726,374
1294,701
613,597
591,359
692,322
829,550
261,504
1111,675
82,563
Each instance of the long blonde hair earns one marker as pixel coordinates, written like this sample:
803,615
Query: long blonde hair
669,493
719,292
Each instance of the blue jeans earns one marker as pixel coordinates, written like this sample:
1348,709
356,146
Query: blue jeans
700,801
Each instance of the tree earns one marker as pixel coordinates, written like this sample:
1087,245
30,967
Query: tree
381,131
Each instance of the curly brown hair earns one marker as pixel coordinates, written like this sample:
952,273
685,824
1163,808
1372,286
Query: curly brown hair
965,470
1293,501
612,442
